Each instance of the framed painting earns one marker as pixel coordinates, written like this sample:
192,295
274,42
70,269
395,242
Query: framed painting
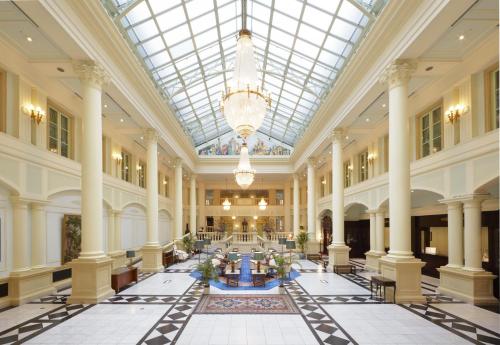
71,237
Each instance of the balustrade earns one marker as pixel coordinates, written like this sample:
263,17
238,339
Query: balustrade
213,236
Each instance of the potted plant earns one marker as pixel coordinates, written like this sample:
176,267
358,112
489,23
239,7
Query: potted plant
188,243
207,271
302,239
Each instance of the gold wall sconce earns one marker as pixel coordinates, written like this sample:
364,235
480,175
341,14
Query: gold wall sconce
371,158
36,113
117,157
455,111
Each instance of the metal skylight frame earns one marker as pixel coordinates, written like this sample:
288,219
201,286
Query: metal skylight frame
188,48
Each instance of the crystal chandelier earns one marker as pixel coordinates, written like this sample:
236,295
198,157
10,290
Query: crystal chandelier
244,104
262,204
244,173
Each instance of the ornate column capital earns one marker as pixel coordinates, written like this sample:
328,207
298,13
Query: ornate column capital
337,135
178,162
398,72
311,161
89,71
296,176
151,135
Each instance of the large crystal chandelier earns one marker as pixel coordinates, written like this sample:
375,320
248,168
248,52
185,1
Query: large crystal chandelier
226,205
244,173
244,103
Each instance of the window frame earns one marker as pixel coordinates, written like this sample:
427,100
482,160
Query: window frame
60,114
419,131
363,163
489,98
125,166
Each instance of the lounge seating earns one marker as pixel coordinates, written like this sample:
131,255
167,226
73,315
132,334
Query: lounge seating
180,254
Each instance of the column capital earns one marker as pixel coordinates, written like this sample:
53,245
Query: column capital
151,135
398,72
178,162
311,161
466,199
296,176
193,177
337,135
89,71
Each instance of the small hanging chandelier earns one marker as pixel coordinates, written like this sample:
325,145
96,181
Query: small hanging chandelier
262,203
244,173
244,104
226,205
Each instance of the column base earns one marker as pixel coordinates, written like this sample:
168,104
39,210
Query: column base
372,261
407,272
91,280
470,286
28,285
119,258
312,247
152,258
338,255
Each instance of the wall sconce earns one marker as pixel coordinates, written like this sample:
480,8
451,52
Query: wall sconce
36,113
323,181
164,182
117,157
138,167
453,113
371,158
350,167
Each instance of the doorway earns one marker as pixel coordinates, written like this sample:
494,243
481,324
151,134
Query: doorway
326,226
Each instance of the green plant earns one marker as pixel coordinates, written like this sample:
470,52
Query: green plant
302,239
188,243
207,271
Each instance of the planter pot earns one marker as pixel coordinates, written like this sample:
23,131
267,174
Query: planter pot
302,256
282,290
206,289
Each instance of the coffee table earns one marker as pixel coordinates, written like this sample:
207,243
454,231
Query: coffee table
259,278
232,278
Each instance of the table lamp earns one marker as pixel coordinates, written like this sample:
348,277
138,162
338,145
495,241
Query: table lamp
282,241
258,256
130,254
290,244
199,245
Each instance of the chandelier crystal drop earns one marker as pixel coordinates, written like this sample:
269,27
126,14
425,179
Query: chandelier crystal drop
262,204
244,104
244,174
226,205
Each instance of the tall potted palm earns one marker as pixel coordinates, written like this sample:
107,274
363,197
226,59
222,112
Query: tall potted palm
188,243
207,272
302,238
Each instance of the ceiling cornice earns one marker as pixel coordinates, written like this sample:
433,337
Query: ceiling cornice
85,22
400,24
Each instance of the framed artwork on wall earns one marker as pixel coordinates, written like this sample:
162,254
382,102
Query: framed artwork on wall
71,237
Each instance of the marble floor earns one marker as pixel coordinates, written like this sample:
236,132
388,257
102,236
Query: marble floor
163,308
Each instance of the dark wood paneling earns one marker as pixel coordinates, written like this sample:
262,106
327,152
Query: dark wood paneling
357,236
61,275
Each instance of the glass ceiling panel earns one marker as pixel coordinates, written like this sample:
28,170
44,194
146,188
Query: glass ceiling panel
188,47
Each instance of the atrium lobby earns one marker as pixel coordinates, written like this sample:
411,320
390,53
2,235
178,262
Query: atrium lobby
256,172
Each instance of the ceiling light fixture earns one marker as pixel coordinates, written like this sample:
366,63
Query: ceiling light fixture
244,104
29,39
367,119
244,174
121,119
262,203
461,37
226,205
383,105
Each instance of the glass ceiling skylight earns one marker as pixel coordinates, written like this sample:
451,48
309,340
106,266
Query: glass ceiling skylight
188,48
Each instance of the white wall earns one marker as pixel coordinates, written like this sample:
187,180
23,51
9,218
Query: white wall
133,227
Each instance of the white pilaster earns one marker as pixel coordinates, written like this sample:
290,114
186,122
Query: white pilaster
38,235
178,199
296,205
400,264
472,234
455,234
371,255
91,272
21,260
380,232
192,204
338,252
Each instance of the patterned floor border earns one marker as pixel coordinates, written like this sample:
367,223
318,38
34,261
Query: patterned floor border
39,324
461,327
324,327
168,329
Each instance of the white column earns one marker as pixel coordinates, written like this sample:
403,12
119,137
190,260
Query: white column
455,235
472,234
21,245
92,77
311,200
398,75
192,204
38,235
337,189
373,230
178,199
152,187
380,232
296,206
201,206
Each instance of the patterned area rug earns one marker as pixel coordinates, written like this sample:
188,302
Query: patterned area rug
246,304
